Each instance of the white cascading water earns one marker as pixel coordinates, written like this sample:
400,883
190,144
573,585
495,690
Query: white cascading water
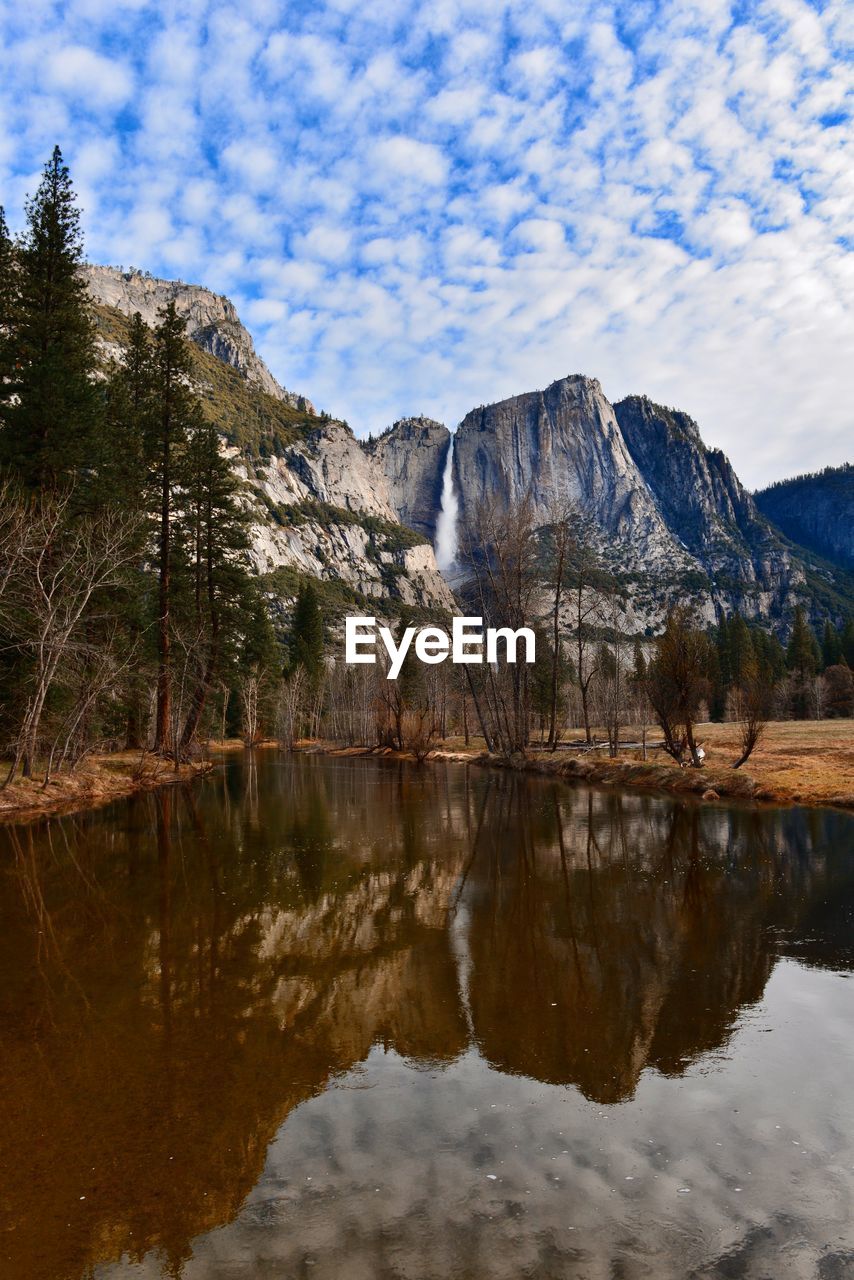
446,525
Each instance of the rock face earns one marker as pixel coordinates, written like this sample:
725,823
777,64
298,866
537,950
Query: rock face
563,445
709,510
817,511
411,456
319,504
669,515
212,322
323,509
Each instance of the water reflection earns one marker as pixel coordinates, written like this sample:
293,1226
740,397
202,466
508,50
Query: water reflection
180,972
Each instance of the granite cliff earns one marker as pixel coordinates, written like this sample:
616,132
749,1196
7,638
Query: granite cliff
411,455
708,509
564,445
212,321
669,515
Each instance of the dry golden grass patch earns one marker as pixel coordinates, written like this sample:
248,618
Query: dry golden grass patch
811,761
796,761
96,781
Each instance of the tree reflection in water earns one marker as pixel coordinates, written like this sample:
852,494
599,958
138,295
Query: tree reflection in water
180,971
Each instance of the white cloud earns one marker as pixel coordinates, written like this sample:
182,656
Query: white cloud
407,158
88,77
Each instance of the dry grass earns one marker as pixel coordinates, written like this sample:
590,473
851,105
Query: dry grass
806,761
97,780
796,762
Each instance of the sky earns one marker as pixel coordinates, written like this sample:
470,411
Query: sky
425,207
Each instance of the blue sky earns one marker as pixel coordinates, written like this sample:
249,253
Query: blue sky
426,207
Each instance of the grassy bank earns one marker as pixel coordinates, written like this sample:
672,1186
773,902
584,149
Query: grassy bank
96,781
797,762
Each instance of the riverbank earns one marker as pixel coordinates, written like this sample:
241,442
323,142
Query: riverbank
96,781
797,762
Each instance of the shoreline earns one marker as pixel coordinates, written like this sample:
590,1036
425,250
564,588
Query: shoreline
98,781
103,778
709,783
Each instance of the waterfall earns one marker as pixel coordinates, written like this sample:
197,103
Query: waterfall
446,525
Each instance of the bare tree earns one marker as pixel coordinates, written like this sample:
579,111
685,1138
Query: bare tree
499,549
676,683
751,699
59,568
289,710
585,573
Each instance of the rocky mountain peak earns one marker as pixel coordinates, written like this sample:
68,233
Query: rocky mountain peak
212,321
562,444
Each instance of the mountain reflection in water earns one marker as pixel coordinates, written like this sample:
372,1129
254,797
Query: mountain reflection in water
414,949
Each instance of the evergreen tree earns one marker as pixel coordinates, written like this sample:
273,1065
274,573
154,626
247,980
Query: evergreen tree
802,659
741,650
305,642
848,643
124,458
831,646
214,529
166,446
8,308
49,424
770,657
802,654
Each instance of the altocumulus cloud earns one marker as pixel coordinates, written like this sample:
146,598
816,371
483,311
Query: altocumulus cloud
423,207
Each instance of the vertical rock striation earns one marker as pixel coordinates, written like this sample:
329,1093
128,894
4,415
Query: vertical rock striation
564,445
411,456
708,509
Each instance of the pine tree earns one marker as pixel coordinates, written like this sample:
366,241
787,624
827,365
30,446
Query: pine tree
770,656
214,530
741,651
166,446
802,656
848,643
802,659
305,643
8,309
124,457
49,428
831,646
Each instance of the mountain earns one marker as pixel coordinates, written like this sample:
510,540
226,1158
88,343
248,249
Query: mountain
319,505
558,445
212,321
708,509
411,455
816,510
669,515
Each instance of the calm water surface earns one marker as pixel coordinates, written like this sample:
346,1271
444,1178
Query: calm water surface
349,1018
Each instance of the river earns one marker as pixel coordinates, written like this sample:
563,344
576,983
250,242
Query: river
328,1017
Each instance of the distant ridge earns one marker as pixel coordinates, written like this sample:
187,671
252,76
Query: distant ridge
816,510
